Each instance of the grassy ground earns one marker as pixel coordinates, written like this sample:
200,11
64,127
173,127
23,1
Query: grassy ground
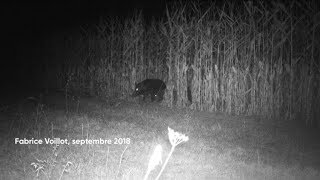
219,146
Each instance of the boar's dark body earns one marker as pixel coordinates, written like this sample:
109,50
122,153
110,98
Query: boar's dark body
155,88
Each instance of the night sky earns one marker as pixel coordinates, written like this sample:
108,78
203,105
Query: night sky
70,13
26,21
26,25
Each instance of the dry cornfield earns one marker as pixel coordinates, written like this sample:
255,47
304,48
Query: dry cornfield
256,59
